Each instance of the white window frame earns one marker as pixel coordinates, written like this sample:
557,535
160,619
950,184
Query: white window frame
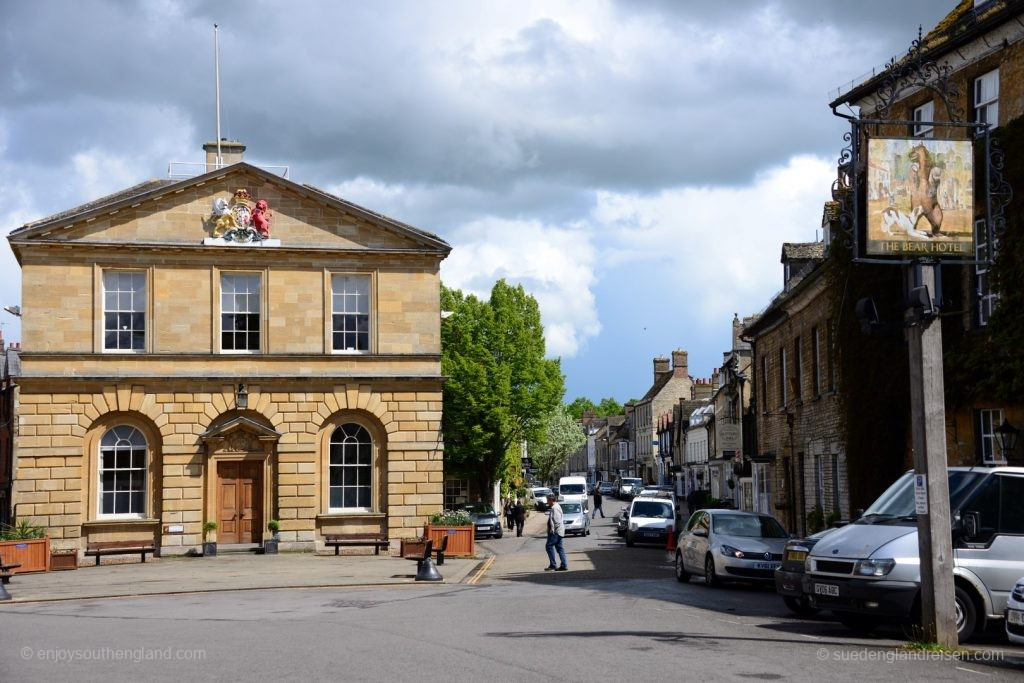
986,98
345,444
989,420
114,440
346,298
250,309
926,114
986,297
130,302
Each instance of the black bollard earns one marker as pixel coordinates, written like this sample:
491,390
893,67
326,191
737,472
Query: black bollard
426,571
4,595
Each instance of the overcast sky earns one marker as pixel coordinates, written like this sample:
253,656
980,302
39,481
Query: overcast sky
636,165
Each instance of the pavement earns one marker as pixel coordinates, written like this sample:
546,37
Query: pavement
240,572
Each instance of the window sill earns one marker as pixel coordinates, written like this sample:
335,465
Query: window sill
120,521
356,514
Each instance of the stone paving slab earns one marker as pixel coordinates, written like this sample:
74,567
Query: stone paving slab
225,573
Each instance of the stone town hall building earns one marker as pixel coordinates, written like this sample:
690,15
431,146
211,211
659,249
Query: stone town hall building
177,369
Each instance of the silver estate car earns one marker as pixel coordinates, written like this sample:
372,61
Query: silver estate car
730,545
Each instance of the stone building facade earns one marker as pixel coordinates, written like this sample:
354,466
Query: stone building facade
175,373
982,43
670,384
799,467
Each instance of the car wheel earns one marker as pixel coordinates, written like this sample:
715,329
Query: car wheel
966,614
710,577
799,606
858,622
682,576
500,533
629,540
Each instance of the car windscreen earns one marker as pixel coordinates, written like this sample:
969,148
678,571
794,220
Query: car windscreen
572,489
751,526
570,507
541,493
897,503
650,508
479,509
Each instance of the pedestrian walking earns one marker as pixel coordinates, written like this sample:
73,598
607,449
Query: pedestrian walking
509,514
556,534
598,499
519,515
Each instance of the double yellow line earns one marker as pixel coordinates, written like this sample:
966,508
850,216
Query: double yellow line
480,572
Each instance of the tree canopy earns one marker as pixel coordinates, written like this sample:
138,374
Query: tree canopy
499,385
561,437
607,406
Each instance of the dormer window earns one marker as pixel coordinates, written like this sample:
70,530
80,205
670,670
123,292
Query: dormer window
986,98
925,114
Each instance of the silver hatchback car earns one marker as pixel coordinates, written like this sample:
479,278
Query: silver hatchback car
730,545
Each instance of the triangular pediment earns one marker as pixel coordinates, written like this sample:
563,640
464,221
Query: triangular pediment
240,429
201,210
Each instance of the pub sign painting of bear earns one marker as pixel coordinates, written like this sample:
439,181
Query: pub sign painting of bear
920,197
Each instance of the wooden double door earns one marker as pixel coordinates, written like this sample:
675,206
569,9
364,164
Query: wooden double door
239,517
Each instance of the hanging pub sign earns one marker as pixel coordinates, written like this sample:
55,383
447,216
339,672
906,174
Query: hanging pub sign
920,197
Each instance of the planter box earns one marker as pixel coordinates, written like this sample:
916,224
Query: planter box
33,554
461,542
60,561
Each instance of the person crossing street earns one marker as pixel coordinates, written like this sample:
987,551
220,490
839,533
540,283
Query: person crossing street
556,534
598,499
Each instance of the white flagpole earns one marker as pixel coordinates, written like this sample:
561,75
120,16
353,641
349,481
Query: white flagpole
216,62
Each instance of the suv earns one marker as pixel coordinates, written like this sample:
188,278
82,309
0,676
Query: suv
651,520
868,572
628,487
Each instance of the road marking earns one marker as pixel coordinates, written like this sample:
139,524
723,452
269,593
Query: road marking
480,572
804,635
972,671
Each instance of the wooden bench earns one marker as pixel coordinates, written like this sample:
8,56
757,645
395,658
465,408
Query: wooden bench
378,541
439,550
5,571
120,548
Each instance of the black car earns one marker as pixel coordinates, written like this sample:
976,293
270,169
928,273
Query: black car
486,522
789,578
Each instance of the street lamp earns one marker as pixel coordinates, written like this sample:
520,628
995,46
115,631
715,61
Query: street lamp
1006,437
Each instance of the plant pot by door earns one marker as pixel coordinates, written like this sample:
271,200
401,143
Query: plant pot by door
210,549
270,546
63,559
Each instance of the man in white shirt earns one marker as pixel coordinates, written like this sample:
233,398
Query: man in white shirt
556,532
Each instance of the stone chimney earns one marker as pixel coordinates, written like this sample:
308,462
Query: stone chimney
231,152
660,367
680,363
701,389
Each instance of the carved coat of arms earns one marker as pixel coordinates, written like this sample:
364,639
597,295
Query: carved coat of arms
239,221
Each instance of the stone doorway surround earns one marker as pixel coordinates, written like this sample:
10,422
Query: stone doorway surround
240,439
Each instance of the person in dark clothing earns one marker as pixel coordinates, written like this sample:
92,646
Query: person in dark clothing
519,515
510,514
598,499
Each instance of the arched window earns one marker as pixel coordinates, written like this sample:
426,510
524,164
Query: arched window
351,468
122,477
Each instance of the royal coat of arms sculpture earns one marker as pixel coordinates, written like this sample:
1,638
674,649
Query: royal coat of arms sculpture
239,221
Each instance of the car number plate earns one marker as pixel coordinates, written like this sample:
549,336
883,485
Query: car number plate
826,589
796,556
484,527
1015,617
767,565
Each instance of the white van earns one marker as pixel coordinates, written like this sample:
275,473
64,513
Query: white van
574,489
868,572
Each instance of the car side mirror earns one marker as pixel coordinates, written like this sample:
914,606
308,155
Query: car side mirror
857,514
700,532
972,523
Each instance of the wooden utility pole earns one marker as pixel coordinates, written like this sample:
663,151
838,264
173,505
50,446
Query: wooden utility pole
928,420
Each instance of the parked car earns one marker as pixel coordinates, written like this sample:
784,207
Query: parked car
606,488
651,520
1015,613
540,497
573,489
577,521
730,545
665,492
622,521
486,522
626,487
789,578
868,572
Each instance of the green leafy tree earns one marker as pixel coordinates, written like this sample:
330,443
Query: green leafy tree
561,437
607,406
499,385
